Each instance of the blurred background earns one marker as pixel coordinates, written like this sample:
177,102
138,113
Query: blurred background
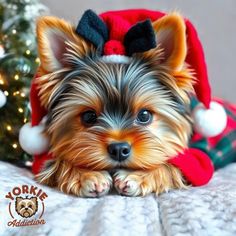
215,22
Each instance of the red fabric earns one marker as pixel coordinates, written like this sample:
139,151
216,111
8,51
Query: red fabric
119,23
131,15
114,47
196,59
118,27
195,166
37,113
39,161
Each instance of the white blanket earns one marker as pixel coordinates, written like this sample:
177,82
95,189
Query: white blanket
202,211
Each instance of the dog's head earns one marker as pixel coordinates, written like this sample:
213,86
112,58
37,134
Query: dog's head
104,115
26,207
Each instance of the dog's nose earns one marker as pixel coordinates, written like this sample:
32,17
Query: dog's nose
119,151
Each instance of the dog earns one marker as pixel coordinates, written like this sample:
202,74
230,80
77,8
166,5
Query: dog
26,207
115,123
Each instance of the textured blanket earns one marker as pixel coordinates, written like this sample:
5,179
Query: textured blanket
208,210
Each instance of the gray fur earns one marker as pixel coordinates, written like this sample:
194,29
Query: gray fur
117,85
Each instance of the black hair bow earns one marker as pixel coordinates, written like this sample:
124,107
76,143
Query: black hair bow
139,38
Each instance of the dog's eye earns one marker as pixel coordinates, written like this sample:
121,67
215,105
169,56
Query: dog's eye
144,117
89,117
30,206
22,206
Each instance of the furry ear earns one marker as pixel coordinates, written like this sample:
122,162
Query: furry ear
171,38
34,199
54,37
18,199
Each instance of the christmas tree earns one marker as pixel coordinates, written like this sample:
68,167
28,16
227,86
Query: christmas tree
18,63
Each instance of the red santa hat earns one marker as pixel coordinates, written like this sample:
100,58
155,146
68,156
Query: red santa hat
209,117
118,34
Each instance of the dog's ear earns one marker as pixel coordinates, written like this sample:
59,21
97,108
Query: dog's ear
54,35
170,33
34,199
170,53
18,199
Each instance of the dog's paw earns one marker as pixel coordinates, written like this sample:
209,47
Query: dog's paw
95,184
130,183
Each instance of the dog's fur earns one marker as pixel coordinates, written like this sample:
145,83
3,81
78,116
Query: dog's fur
75,79
26,207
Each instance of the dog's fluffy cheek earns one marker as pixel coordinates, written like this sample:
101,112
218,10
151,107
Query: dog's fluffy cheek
83,151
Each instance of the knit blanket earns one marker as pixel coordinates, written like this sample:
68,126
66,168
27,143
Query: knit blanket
208,210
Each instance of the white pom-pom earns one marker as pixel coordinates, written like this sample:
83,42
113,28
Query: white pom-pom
209,122
32,139
3,99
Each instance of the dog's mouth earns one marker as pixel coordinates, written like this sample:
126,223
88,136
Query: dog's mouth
26,214
112,171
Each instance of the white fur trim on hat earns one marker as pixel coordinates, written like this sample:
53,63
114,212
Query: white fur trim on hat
116,59
32,139
209,122
3,99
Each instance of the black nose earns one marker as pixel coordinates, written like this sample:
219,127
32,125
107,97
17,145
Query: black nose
119,151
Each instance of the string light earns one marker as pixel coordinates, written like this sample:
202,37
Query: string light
27,52
37,60
2,79
20,110
28,42
16,77
9,128
6,93
25,120
22,95
16,93
14,31
14,145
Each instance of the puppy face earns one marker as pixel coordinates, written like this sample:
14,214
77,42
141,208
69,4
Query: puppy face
105,115
26,207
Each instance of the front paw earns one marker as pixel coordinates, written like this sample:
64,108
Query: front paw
95,184
131,183
72,180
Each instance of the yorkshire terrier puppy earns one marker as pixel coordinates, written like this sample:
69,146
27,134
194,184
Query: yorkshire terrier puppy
114,124
26,207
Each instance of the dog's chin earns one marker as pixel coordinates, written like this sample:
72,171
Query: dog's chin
126,165
26,214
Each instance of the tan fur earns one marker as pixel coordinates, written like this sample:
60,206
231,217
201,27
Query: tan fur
63,30
47,26
26,207
70,179
81,162
159,180
172,28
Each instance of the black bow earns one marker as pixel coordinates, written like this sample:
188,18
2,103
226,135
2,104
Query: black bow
92,28
140,37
